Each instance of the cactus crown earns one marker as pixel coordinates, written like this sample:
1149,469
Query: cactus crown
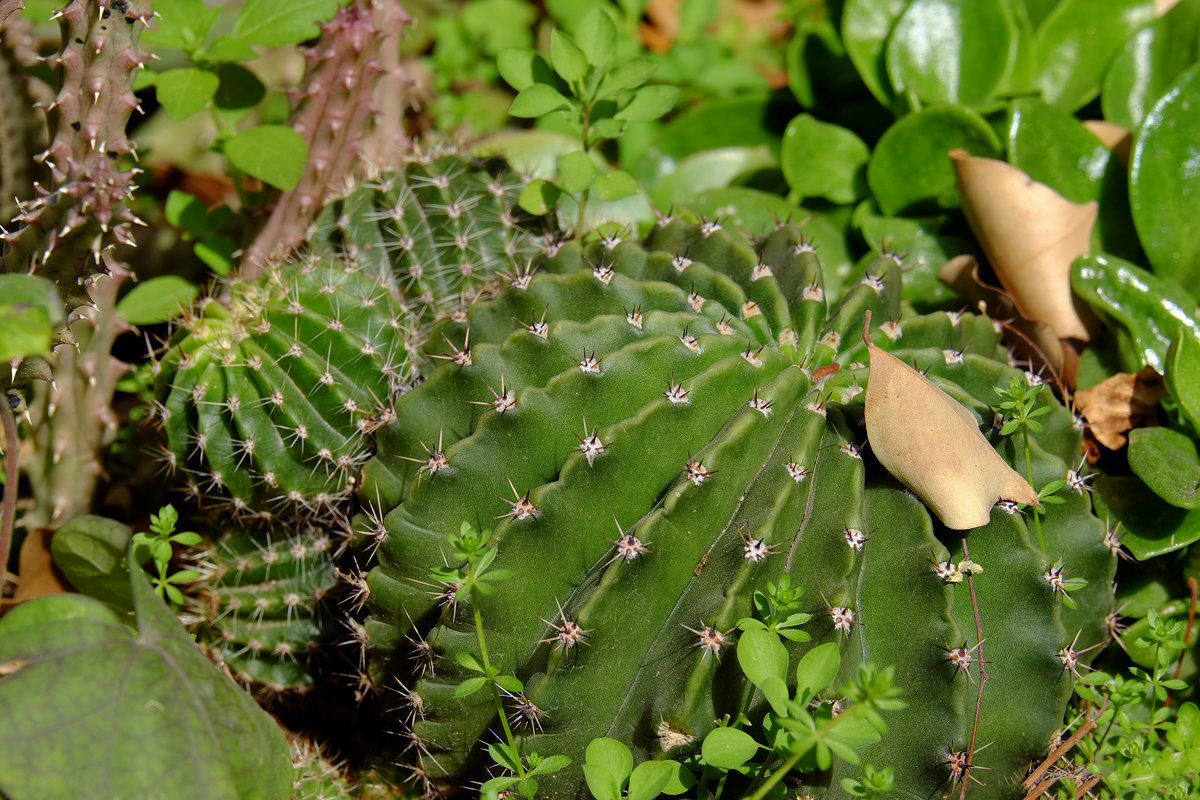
655,431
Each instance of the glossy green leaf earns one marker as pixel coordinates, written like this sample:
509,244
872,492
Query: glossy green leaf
566,57
1166,460
278,22
90,551
100,710
1164,182
1149,62
536,100
952,51
649,779
824,160
274,154
866,25
648,103
709,169
909,172
30,311
183,92
728,748
597,37
615,185
575,172
1151,527
1076,42
157,300
1183,374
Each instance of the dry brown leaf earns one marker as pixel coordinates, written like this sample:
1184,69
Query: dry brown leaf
932,444
38,574
1030,234
1119,404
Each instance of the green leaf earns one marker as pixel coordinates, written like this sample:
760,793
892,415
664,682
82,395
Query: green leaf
274,154
626,75
909,171
30,311
539,196
217,253
576,170
866,25
648,103
469,687
169,723
182,24
615,185
607,764
1183,374
816,670
1150,61
522,68
596,35
566,57
503,755
240,89
824,160
649,779
510,683
761,656
728,748
156,300
601,782
1151,526
1164,182
1169,464
228,48
184,211
90,551
278,22
1077,40
468,661
183,92
952,51
548,766
537,99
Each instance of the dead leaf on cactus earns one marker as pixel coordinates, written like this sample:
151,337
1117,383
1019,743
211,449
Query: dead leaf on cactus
1030,234
1119,404
932,444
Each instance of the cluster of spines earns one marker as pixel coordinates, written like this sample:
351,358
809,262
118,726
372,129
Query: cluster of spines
335,110
447,225
264,606
747,465
270,402
67,231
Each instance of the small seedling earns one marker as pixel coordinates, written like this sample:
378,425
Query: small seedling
158,545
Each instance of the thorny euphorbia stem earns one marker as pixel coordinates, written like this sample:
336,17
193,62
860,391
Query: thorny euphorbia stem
11,480
982,671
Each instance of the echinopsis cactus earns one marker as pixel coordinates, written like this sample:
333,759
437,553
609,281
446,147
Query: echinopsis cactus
262,605
654,433
271,400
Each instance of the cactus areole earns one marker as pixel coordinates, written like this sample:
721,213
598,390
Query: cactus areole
653,430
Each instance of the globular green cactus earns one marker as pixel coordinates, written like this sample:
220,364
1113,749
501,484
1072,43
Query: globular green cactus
272,398
446,224
654,432
263,606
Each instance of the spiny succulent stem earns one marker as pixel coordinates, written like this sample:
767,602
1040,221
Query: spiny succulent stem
979,659
11,481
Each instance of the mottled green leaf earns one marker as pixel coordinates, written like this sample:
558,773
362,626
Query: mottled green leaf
90,551
1150,526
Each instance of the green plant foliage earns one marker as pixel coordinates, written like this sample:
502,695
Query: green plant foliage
1149,62
90,550
30,313
822,160
170,722
717,485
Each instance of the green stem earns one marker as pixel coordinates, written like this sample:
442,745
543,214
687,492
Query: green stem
487,670
583,199
1037,517
11,481
776,776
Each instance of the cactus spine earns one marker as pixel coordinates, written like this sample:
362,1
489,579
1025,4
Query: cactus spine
702,396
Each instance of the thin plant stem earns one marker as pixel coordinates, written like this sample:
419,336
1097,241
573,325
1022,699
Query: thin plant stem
1037,518
583,198
982,670
11,482
487,666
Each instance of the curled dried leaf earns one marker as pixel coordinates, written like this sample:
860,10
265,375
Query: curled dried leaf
1030,234
1119,404
932,444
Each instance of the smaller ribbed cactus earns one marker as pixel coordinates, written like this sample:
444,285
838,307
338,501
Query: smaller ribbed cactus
271,400
264,607
446,225
314,777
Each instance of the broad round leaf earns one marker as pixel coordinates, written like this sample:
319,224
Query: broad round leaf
615,185
866,25
728,748
576,170
596,35
536,100
1164,182
649,103
1150,61
156,300
1167,461
274,154
183,92
278,22
90,550
909,171
952,51
824,160
1183,374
